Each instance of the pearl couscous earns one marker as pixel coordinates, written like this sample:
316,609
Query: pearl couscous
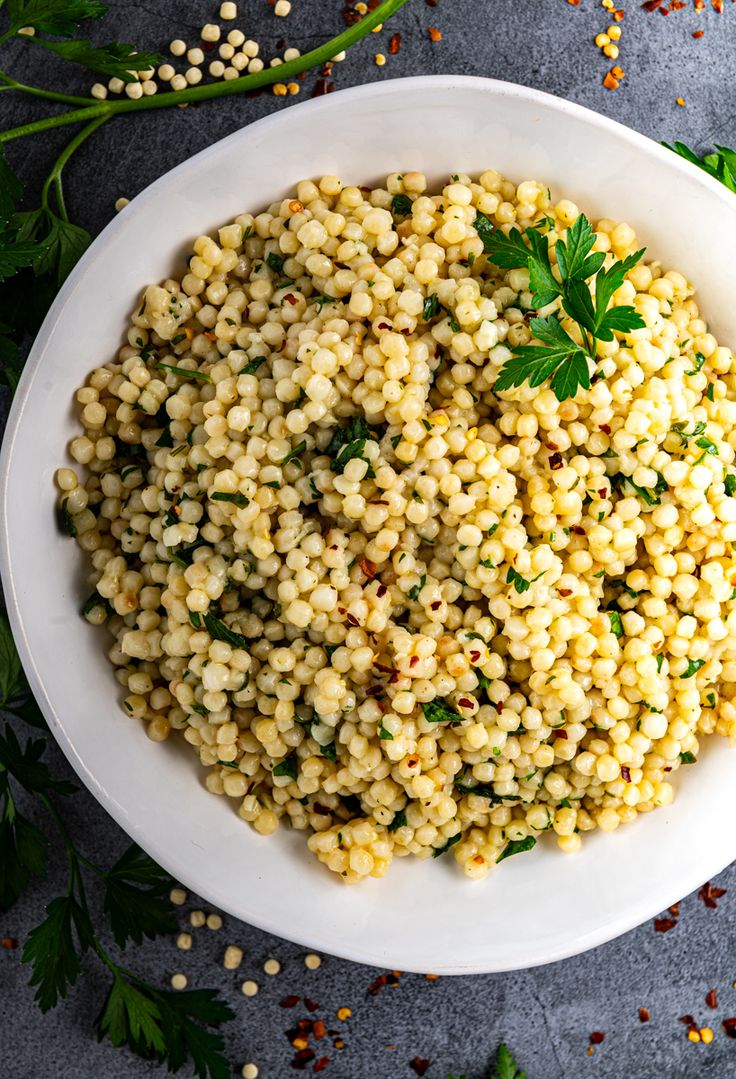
382,603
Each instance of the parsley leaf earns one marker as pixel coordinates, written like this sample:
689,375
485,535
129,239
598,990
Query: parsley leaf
60,17
617,626
399,821
276,262
506,1067
508,252
52,952
431,307
137,898
693,666
688,758
252,366
517,846
22,848
559,356
721,165
114,59
439,851
437,711
401,205
237,497
218,630
289,766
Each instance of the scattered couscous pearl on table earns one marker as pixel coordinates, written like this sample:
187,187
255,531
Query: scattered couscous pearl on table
383,603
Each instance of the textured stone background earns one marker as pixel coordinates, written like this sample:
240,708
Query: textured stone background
545,1015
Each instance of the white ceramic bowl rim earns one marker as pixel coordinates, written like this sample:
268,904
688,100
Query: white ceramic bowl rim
365,942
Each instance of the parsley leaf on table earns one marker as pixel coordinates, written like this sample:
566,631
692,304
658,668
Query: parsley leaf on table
136,898
721,165
114,59
52,952
22,848
60,17
506,1066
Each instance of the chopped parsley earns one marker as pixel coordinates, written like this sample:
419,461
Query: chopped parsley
437,711
184,372
414,591
617,626
217,629
517,846
225,496
688,758
439,851
276,262
300,448
431,307
699,361
289,766
693,666
401,206
399,821
384,734
252,366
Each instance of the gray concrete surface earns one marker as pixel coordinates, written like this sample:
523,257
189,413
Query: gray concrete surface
546,1015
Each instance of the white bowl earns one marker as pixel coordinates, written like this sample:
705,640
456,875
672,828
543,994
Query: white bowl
423,916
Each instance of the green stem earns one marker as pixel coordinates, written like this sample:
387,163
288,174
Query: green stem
37,91
74,857
281,73
54,177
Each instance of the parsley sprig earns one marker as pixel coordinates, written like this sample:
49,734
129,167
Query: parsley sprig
505,1067
40,245
561,357
157,1024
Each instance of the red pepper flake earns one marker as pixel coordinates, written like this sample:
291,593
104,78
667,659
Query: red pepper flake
312,1005
432,977
378,984
499,707
597,1037
383,326
434,35
321,1064
618,15
651,5
711,999
475,656
698,33
564,592
368,568
603,492
709,893
319,1030
674,910
431,3
729,1027
605,428
302,1058
644,1015
382,590
291,298
290,1001
625,774
663,925
352,619
394,44
717,6
465,703
9,943
419,1065
578,530
435,604
321,811
561,734
688,1020
413,661
556,461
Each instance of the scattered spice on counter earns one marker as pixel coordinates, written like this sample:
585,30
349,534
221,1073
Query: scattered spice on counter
729,1027
435,34
597,1037
693,1035
706,1035
711,998
432,977
311,1005
709,893
272,967
9,943
644,1015
394,44
343,1014
680,101
382,981
289,1002
663,925
419,1065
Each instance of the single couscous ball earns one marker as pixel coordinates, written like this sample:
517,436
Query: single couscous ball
387,598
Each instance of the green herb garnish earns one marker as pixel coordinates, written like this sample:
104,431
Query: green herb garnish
439,851
289,766
693,666
184,372
517,846
437,711
224,496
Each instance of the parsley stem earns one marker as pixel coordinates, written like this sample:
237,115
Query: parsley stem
54,177
281,73
37,91
74,857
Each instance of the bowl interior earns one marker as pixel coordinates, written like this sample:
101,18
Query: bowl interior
424,916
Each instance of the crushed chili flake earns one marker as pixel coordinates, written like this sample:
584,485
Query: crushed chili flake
564,592
597,1037
663,925
432,977
709,893
711,998
319,1029
321,1064
556,461
343,1014
434,35
465,703
419,1065
574,3
698,33
312,1005
625,774
717,6
9,943
644,1015
605,428
394,44
688,1020
369,568
290,1001
561,734
302,1058
674,910
431,3
610,82
729,1027
378,984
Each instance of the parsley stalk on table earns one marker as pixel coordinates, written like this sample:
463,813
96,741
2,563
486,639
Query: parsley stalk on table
39,246
158,1024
